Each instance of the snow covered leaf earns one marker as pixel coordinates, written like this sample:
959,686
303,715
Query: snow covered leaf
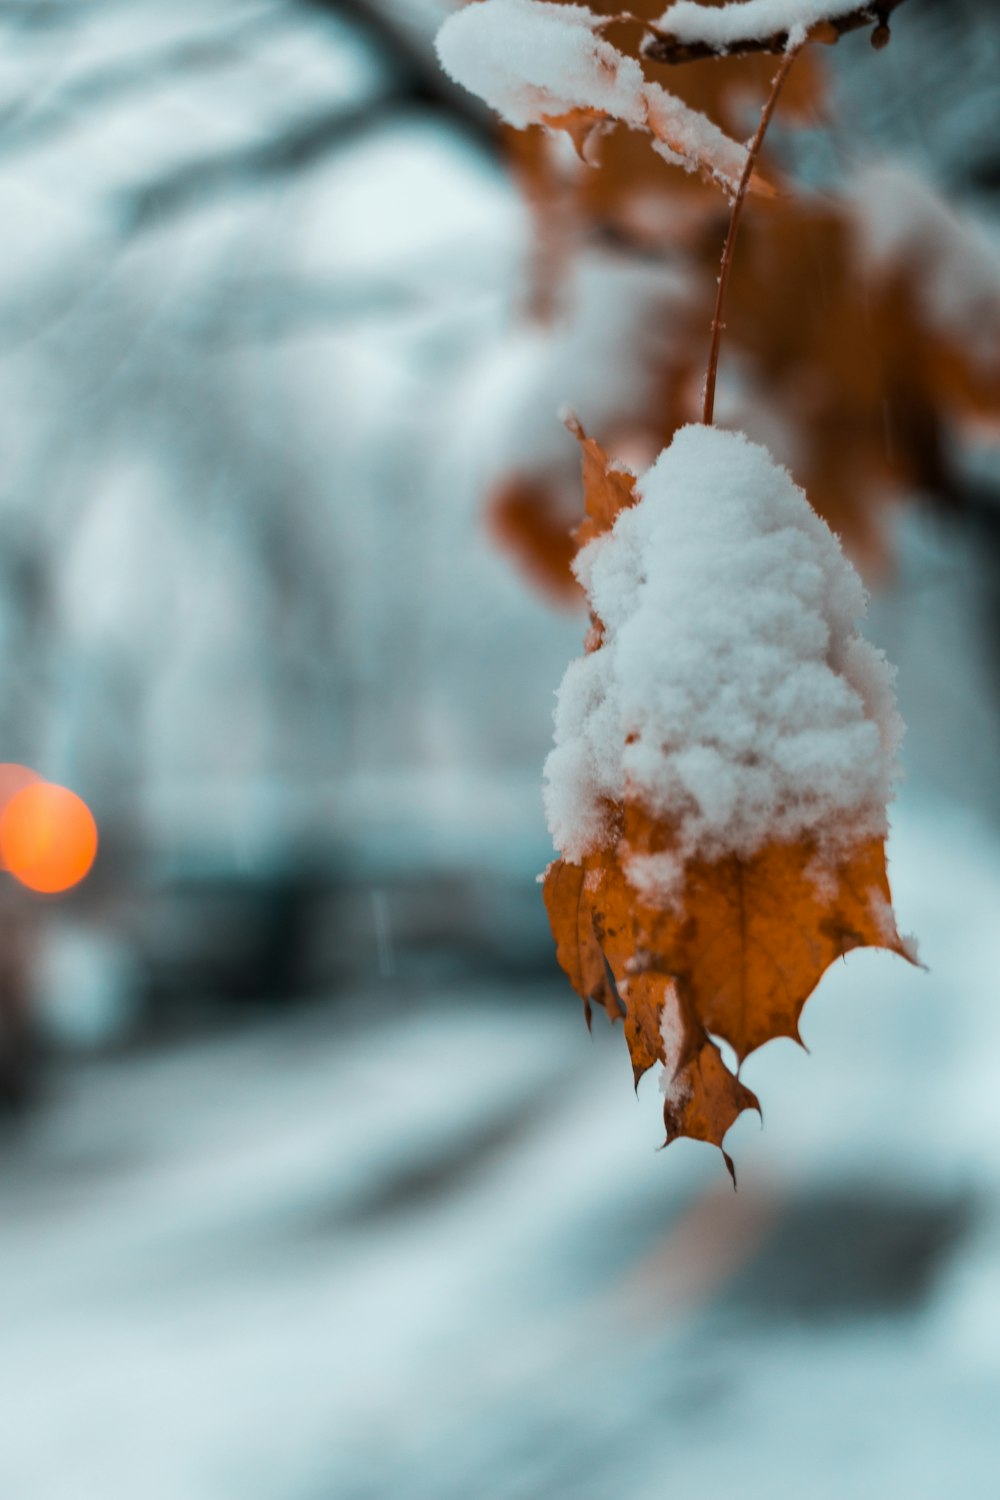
538,63
689,30
749,937
724,756
702,1098
628,188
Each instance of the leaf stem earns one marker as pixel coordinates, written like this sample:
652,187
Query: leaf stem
753,152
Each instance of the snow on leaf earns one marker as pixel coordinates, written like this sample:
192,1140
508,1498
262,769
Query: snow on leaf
550,64
571,915
749,938
723,758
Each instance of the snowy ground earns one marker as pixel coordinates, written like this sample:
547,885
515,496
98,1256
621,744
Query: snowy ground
419,1244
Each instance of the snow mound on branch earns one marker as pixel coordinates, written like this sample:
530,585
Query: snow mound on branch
732,695
691,21
528,59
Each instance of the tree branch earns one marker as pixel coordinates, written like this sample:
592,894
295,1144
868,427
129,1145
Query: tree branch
662,46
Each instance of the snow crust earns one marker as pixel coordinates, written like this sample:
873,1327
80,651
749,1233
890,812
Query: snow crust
732,694
691,21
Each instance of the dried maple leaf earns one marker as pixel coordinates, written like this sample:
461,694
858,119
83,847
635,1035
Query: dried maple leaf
701,1097
529,518
608,488
689,946
742,949
752,936
578,949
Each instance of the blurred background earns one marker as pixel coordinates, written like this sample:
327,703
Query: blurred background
312,1184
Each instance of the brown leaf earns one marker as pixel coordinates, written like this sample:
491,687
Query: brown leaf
702,1098
737,954
571,917
607,489
630,190
529,517
749,939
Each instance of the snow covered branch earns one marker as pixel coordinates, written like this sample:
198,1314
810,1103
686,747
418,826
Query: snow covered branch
689,31
537,63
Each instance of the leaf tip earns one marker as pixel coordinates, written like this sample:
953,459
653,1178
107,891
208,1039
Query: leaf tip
572,423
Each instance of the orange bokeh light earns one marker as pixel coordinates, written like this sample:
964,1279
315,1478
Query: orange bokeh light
48,837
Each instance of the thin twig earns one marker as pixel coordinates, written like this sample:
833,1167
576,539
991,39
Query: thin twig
753,153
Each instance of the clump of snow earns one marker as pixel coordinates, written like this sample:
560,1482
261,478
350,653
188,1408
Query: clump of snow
528,59
731,696
691,21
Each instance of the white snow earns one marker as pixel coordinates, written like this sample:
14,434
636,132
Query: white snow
532,61
689,139
528,59
675,1090
690,21
732,695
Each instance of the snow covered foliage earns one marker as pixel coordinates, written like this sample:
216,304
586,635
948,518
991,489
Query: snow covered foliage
730,694
536,63
690,21
528,59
